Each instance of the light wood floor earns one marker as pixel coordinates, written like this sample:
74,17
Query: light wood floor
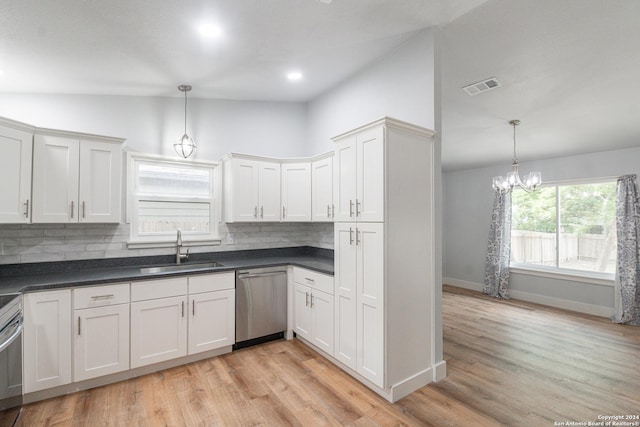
509,363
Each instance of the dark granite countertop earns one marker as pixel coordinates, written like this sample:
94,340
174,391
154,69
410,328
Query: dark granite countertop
41,276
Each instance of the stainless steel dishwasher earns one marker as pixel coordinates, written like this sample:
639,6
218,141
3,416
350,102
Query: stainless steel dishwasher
261,305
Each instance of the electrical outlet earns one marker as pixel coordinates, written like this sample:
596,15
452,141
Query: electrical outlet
230,239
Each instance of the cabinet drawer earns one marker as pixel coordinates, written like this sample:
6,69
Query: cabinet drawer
161,288
212,282
313,279
99,296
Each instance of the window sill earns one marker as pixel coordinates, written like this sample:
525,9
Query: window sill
604,279
150,244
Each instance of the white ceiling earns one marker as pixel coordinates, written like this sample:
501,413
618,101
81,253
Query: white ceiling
569,68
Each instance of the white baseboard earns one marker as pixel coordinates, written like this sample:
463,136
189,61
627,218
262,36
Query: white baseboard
580,307
411,384
439,371
462,284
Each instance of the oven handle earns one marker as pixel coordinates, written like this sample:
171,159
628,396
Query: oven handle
13,330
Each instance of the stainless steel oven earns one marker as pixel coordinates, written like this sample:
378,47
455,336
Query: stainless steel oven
10,359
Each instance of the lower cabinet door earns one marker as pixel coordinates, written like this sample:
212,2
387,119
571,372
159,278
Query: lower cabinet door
211,320
47,340
158,330
302,311
322,320
101,344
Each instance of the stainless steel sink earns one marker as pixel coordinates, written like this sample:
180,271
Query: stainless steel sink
179,267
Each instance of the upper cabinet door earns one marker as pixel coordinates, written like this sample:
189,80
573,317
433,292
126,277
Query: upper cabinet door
242,191
370,170
344,180
296,192
55,179
15,175
100,170
269,191
322,190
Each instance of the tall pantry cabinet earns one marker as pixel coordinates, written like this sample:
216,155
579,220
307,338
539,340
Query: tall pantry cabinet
384,255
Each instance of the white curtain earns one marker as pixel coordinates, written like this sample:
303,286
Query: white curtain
627,289
496,273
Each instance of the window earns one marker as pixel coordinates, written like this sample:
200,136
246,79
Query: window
165,195
565,226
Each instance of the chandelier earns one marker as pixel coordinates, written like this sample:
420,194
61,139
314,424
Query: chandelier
531,182
185,145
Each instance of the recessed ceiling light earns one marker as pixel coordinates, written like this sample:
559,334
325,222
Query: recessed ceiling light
294,75
209,30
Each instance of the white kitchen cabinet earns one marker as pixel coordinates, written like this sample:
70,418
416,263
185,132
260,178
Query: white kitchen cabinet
296,192
16,145
212,311
101,330
322,208
158,320
47,340
313,308
384,256
359,273
345,266
74,179
359,176
251,189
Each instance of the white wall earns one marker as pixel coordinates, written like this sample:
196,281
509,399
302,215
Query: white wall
468,200
153,124
399,84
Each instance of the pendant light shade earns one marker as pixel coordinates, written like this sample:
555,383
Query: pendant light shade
531,182
185,145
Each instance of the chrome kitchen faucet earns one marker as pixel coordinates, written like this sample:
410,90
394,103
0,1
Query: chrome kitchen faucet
179,255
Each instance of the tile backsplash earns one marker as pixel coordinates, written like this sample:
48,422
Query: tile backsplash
64,242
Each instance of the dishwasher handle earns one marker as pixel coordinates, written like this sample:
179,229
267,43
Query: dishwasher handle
267,274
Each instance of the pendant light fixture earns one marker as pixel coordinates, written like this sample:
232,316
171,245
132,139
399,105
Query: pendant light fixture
532,181
185,145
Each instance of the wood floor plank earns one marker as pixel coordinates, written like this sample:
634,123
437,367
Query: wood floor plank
509,363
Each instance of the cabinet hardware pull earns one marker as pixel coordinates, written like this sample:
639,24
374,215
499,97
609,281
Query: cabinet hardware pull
358,207
83,210
306,302
182,308
193,308
350,236
312,300
328,211
283,215
26,209
350,208
102,296
78,325
255,212
261,211
72,208
309,279
333,211
357,236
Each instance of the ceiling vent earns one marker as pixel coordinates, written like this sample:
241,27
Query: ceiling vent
483,86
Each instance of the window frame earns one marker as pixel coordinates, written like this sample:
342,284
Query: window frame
563,273
137,241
